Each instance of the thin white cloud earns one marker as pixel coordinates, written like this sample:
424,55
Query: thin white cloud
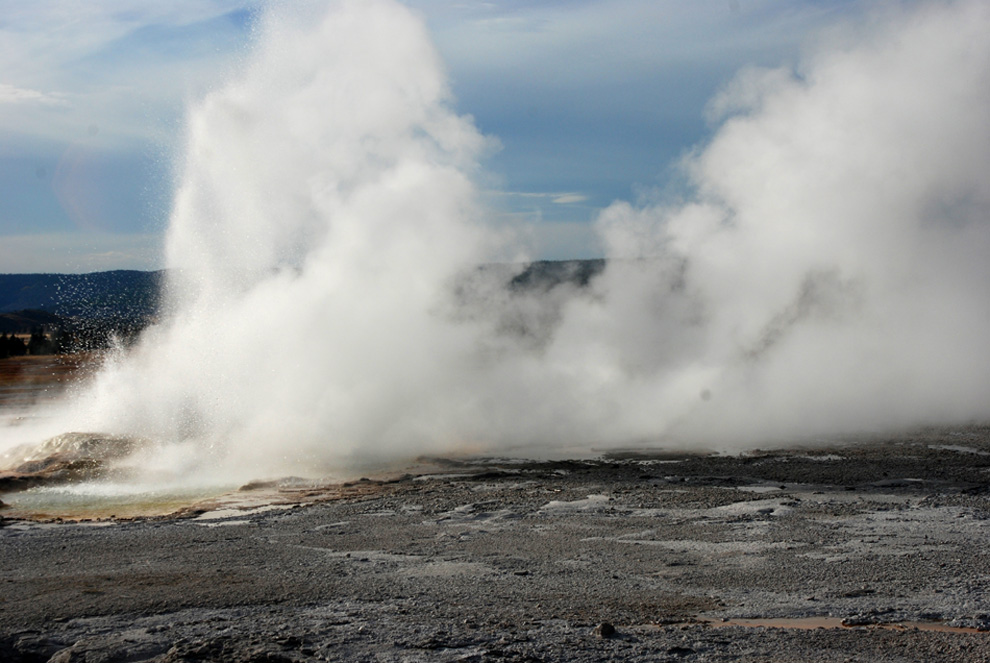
11,94
569,198
577,41
559,197
126,65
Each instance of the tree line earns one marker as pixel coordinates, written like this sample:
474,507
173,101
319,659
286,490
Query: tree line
38,343
71,337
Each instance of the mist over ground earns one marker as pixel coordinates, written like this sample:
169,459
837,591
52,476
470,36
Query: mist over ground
825,272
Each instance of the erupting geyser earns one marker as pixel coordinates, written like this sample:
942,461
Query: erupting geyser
830,273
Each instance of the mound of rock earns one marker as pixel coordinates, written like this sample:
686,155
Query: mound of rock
65,458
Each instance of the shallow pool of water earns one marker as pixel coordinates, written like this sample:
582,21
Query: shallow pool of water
101,500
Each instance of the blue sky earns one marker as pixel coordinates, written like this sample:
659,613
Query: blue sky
590,100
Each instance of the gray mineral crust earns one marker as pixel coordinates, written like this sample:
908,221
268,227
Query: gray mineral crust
854,550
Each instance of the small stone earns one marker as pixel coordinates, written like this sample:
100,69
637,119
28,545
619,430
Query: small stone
680,651
857,620
257,485
857,593
605,631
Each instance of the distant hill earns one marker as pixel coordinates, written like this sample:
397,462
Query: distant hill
129,299
131,293
116,294
23,322
545,274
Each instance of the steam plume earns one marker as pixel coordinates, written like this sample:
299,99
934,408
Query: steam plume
833,262
828,272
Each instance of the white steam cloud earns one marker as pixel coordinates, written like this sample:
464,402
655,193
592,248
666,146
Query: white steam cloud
830,272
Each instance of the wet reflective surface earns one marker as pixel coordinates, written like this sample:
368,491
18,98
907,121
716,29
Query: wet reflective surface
26,381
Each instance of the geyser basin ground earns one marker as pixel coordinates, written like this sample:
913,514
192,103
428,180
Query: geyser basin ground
521,561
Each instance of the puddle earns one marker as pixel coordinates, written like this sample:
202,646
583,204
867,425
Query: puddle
590,503
235,511
101,501
225,523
